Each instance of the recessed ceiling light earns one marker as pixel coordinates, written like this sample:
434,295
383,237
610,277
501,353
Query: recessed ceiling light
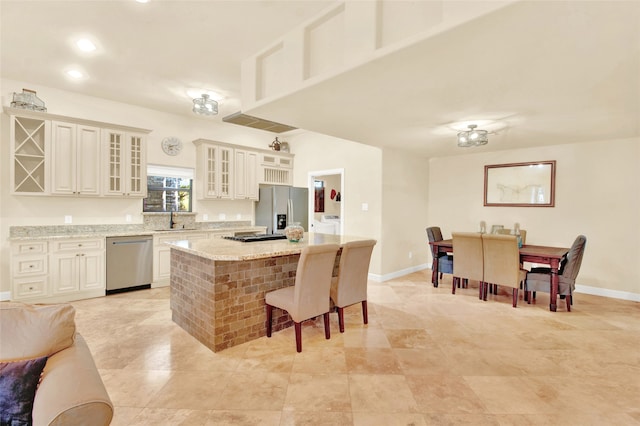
86,45
75,74
142,1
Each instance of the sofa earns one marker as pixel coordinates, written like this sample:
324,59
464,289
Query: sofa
47,373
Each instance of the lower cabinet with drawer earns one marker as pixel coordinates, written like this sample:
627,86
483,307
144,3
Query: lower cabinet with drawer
78,266
29,270
57,270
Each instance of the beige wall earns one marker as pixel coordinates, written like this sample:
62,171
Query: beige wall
362,166
597,194
405,180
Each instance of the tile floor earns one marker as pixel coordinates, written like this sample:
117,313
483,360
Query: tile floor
427,357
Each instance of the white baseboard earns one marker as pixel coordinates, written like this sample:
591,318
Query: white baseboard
397,274
5,295
604,292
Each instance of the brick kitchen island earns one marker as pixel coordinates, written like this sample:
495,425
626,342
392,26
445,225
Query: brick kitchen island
218,286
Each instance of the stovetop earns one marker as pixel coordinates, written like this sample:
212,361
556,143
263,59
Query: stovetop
257,237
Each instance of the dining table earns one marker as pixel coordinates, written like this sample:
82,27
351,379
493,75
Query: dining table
547,255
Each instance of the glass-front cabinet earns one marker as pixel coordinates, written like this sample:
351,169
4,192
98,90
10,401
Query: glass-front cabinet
125,172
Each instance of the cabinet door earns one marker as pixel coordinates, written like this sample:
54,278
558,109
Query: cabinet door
245,182
252,176
225,173
91,272
114,158
29,166
64,273
63,158
136,168
88,155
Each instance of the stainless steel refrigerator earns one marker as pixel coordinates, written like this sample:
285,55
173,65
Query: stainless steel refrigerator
279,206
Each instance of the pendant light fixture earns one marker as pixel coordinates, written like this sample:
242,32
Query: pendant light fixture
472,137
205,105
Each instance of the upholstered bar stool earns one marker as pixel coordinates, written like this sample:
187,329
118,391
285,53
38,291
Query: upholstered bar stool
350,286
309,296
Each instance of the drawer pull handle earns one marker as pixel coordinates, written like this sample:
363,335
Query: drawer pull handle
30,266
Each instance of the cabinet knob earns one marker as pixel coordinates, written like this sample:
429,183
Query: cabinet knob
31,248
30,266
79,245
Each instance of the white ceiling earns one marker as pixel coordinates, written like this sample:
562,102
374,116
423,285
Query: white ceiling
545,72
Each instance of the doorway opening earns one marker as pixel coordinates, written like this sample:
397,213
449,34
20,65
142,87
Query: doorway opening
326,209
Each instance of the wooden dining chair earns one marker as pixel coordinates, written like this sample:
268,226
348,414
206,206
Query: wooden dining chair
467,247
350,286
539,279
502,263
309,296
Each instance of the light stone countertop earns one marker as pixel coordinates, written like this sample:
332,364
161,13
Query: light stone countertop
229,250
102,231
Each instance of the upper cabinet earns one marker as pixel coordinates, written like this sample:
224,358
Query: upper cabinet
75,159
234,172
246,175
57,155
30,138
125,166
276,168
214,170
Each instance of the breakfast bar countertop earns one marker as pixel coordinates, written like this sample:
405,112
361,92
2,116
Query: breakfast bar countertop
229,250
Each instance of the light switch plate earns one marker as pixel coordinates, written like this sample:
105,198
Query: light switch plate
365,207
205,217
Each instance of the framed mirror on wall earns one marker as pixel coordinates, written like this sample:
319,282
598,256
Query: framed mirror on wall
529,184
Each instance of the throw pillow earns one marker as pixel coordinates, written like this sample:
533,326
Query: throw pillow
30,331
18,383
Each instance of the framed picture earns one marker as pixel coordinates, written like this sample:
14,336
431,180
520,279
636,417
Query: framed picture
520,184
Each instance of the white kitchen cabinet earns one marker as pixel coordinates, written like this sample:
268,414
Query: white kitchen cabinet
75,159
246,175
78,267
162,253
125,166
59,155
276,169
214,171
29,270
30,143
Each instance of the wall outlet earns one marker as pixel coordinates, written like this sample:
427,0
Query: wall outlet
365,207
410,255
222,216
68,219
205,217
128,218
238,216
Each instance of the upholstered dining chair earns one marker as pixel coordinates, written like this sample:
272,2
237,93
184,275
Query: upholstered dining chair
309,296
502,263
445,261
467,247
539,279
350,286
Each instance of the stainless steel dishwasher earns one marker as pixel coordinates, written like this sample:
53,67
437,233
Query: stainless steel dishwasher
129,263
